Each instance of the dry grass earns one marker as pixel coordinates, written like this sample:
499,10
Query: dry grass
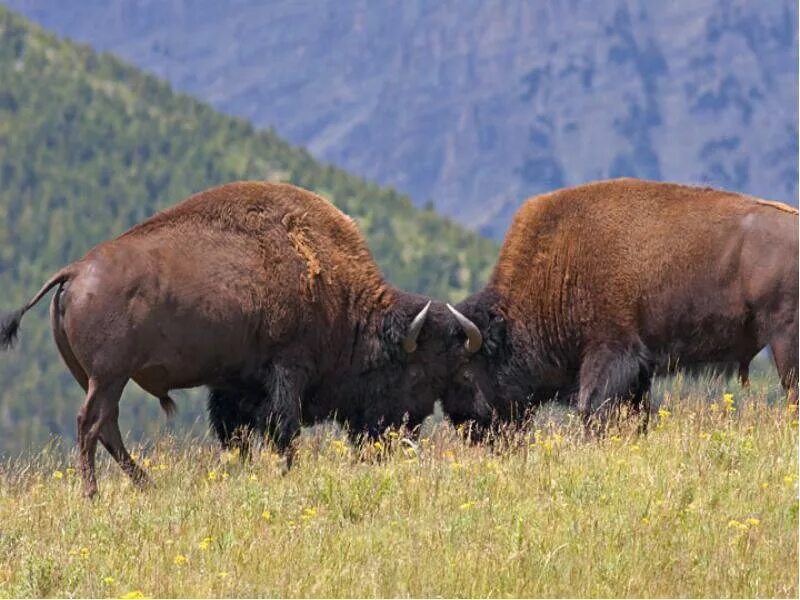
705,505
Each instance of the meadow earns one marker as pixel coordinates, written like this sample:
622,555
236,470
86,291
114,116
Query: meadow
706,504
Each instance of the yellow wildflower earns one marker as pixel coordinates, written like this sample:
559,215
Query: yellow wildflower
339,447
616,439
789,479
212,475
456,467
146,463
393,435
57,474
205,542
70,471
752,521
108,580
84,552
714,407
378,446
180,560
645,520
266,515
308,514
664,413
764,485
738,525
467,505
727,399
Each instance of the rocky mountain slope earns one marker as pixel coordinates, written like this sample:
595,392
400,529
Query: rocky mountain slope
475,105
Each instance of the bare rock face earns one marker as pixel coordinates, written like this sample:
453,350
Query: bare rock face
478,105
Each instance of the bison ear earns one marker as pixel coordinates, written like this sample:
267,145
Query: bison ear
397,335
495,340
391,333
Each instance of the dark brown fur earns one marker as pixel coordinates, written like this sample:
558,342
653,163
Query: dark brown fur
248,281
600,285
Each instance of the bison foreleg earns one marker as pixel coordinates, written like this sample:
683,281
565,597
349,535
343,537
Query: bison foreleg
238,412
288,387
610,374
784,353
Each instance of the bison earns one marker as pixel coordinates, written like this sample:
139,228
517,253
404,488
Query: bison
251,282
599,286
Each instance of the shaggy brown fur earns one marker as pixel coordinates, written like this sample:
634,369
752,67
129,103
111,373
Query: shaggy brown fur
599,285
255,282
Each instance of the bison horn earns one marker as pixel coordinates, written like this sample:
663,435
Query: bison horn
474,337
410,341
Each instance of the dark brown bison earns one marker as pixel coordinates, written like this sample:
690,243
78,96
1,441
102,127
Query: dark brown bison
599,286
248,282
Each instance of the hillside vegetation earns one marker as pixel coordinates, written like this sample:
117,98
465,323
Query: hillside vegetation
703,506
89,146
478,105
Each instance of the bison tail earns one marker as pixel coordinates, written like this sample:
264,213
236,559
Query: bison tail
9,324
9,327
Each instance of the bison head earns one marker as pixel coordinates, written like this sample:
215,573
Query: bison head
413,370
475,360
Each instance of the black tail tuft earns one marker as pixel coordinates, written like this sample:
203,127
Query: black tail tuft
9,326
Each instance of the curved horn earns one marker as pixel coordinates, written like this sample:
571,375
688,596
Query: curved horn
474,337
410,341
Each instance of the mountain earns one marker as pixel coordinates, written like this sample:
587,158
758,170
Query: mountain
477,104
90,146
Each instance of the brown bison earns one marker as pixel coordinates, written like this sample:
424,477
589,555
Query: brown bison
599,286
248,282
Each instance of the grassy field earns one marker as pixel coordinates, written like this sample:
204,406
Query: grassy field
704,505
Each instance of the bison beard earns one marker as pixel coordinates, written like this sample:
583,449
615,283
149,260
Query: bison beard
600,286
257,290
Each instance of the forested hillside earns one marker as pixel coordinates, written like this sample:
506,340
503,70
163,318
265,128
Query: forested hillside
90,146
476,105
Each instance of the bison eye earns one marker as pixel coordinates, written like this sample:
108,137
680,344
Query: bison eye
466,374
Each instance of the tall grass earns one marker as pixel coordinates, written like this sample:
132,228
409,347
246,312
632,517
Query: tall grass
705,505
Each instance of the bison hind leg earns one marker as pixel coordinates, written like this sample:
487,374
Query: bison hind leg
609,374
98,420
